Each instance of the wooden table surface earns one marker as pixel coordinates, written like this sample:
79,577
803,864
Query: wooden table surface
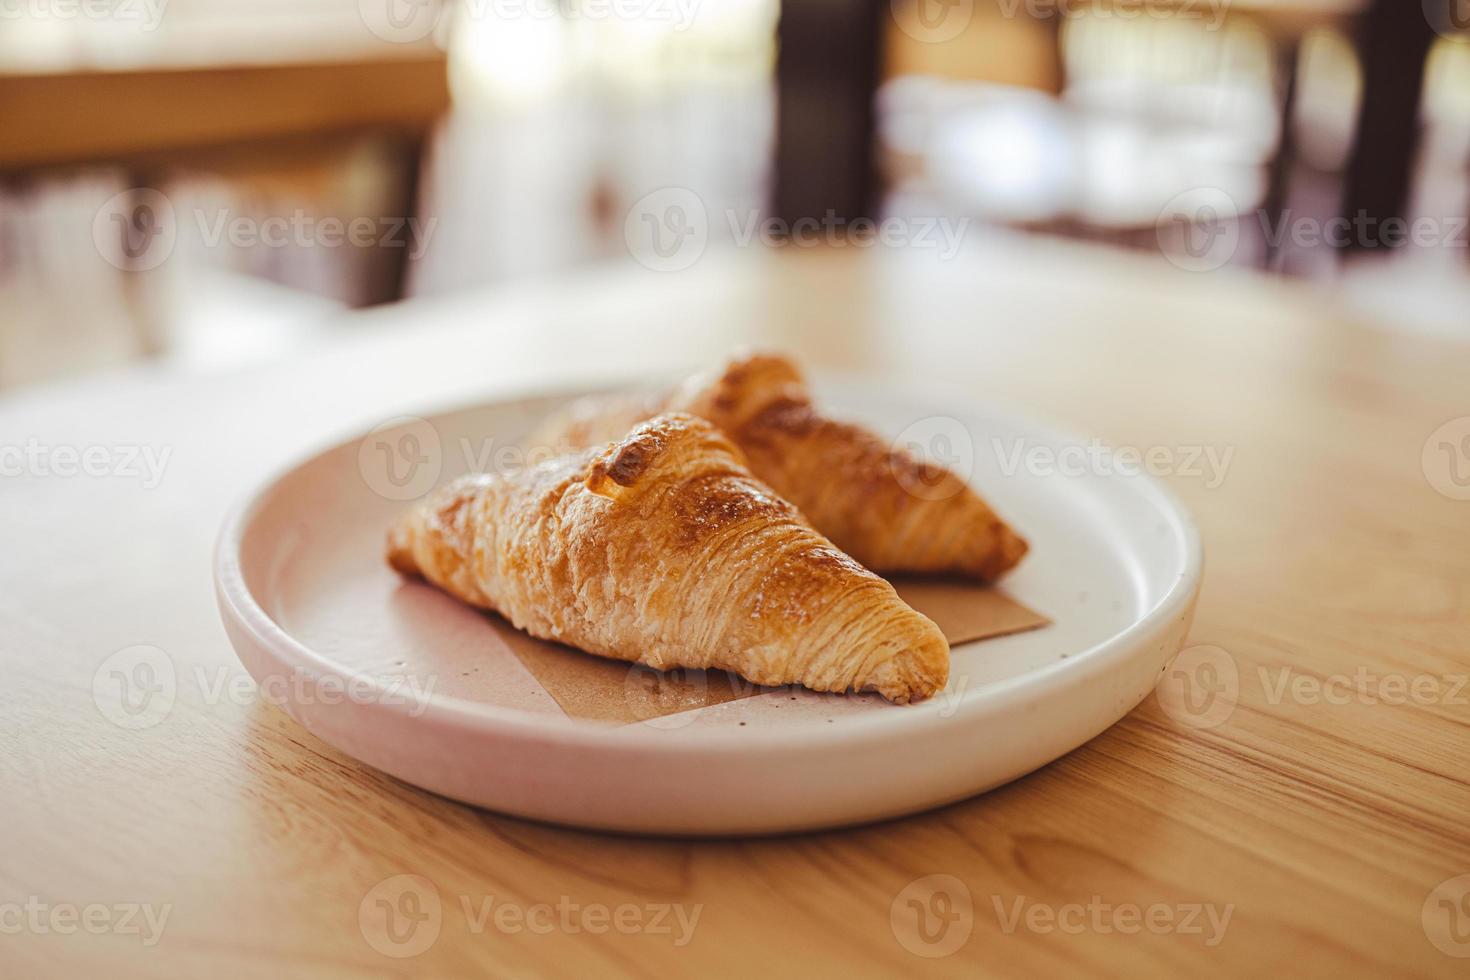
1307,829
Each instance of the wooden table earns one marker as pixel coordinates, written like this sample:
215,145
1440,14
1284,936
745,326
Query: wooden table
1322,827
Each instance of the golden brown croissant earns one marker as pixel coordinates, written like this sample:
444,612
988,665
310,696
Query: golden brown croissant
664,549
880,504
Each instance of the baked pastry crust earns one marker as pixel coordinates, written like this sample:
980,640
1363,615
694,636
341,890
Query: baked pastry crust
878,502
663,549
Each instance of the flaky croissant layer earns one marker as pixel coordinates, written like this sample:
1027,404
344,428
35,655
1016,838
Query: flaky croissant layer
663,549
879,503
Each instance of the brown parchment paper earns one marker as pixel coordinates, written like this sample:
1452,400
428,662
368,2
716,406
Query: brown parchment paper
596,688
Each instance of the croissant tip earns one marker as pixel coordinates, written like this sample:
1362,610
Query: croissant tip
759,355
1012,548
915,674
400,551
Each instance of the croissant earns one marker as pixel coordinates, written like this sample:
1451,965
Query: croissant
663,549
879,503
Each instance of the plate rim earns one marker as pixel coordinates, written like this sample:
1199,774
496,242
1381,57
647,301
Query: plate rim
240,608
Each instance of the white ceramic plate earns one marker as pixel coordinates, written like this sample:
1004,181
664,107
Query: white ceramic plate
401,677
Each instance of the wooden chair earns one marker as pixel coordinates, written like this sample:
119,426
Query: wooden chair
150,121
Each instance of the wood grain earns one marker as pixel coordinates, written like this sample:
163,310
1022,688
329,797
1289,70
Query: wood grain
1322,827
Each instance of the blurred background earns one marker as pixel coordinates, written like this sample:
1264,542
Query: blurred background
209,183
